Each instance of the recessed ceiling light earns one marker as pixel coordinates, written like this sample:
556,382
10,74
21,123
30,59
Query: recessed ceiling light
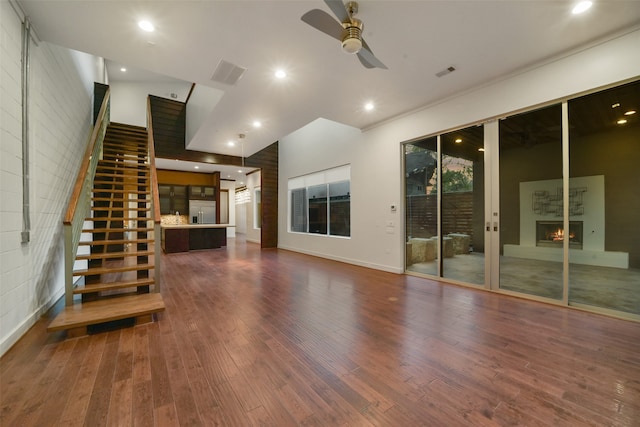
630,113
146,26
581,7
196,167
123,69
257,124
369,106
231,143
280,74
616,105
458,140
239,170
622,121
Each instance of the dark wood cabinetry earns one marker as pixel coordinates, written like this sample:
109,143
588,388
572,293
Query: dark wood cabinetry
202,192
175,240
190,238
173,198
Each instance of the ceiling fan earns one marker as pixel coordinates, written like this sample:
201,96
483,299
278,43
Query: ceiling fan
348,30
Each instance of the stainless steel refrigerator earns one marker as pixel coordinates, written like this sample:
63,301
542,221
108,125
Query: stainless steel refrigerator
202,212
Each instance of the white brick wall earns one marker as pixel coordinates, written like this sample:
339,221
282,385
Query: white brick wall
32,275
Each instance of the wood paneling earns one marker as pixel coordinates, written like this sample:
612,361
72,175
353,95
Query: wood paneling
99,92
267,160
277,338
187,178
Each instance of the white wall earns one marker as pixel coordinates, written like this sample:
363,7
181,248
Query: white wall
377,238
129,99
32,274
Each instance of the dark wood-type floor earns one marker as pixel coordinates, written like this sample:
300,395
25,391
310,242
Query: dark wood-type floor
275,338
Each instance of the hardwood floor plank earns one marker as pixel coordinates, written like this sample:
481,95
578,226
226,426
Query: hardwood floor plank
76,408
278,338
142,402
120,403
98,407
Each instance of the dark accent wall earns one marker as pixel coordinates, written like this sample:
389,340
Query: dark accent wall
267,160
99,92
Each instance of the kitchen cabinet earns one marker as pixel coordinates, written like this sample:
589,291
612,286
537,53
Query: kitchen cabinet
175,240
173,198
184,238
202,192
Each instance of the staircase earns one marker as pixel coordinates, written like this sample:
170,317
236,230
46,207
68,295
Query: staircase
117,243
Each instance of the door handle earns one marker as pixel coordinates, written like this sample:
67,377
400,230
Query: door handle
488,226
495,226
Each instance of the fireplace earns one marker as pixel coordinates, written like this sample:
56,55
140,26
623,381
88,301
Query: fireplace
551,234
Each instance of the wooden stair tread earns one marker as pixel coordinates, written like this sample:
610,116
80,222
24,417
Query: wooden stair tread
133,167
109,255
107,270
120,199
117,208
116,229
114,242
101,287
116,219
107,310
119,190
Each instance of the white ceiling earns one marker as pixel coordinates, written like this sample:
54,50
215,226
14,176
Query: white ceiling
484,40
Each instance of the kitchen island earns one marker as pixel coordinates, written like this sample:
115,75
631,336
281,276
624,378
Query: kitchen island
190,237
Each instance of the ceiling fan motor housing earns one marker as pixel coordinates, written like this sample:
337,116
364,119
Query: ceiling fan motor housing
352,41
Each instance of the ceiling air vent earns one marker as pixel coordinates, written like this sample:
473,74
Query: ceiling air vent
227,73
446,71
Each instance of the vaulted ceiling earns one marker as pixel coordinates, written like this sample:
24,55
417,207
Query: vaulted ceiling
483,40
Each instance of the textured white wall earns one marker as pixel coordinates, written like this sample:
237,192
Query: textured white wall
31,275
377,237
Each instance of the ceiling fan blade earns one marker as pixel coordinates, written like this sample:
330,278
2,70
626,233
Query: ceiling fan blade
321,20
364,62
367,57
338,8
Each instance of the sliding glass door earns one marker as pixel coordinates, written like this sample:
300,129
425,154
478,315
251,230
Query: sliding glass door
550,196
457,215
604,199
531,208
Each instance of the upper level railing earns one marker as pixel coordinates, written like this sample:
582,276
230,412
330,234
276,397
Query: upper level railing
155,199
80,203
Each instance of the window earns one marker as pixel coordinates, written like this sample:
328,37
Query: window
299,210
320,203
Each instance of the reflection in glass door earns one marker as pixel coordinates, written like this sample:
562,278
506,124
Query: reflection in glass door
604,203
421,206
531,203
462,205
457,215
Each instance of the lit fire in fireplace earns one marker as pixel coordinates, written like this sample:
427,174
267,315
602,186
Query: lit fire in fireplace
558,235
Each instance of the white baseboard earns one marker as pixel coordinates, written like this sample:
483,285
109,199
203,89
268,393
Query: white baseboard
360,263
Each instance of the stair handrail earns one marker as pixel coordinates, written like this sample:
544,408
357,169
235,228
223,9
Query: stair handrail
80,202
155,198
